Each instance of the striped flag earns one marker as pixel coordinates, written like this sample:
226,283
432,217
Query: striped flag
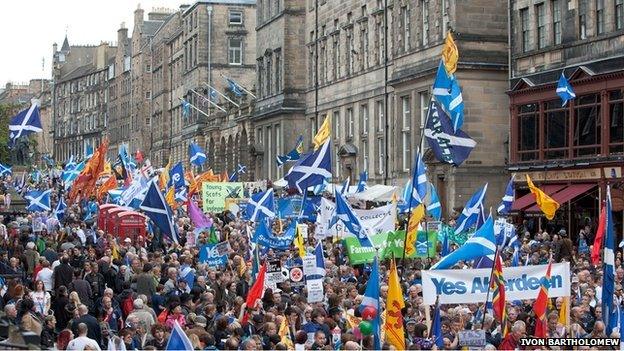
541,305
498,293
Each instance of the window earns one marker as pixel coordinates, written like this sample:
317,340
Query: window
349,50
148,95
260,65
350,125
406,144
278,147
269,75
424,4
540,10
148,68
336,63
405,23
424,110
600,17
587,125
616,121
528,132
524,22
380,155
364,149
379,33
236,18
364,119
235,51
323,64
555,130
336,124
582,18
364,45
379,109
278,72
619,14
556,14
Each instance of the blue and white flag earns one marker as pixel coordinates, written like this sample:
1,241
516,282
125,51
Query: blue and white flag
446,245
178,341
38,201
176,176
447,92
70,174
138,185
318,271
311,170
371,298
608,271
263,236
209,253
70,163
508,198
293,155
59,211
5,170
319,188
434,208
470,214
419,183
345,186
515,259
234,87
449,146
260,206
25,123
156,208
564,90
89,152
344,213
362,183
197,156
186,108
482,243
214,96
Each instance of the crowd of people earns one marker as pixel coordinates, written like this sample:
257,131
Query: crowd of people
80,288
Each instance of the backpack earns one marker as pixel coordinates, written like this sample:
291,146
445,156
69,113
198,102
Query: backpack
127,305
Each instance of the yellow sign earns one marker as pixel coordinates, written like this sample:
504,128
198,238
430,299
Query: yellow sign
562,175
214,195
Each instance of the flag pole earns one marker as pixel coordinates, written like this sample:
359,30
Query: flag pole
487,296
240,86
207,99
223,95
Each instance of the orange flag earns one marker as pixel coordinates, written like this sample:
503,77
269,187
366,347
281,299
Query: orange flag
110,184
546,203
85,183
395,334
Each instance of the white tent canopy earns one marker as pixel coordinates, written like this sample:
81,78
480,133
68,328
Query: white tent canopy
376,193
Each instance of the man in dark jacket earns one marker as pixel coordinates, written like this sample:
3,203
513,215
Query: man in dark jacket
96,280
94,330
63,273
83,288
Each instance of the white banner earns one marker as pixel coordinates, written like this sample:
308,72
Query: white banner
376,220
315,290
471,285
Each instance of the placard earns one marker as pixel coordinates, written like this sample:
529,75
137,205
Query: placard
315,290
214,195
473,338
296,277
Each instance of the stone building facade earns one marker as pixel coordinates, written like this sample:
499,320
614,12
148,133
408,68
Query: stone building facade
79,97
572,151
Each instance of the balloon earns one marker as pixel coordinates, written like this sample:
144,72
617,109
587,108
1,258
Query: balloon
366,327
369,312
357,333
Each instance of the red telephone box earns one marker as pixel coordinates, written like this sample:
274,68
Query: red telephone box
103,215
112,217
130,224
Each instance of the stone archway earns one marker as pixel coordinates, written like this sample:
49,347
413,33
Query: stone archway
222,152
243,151
230,155
211,153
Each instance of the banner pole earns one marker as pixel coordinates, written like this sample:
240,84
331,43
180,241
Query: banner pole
487,297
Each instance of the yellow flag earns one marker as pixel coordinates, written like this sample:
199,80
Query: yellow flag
115,252
450,55
108,169
285,334
563,320
164,176
299,243
323,134
170,197
410,242
395,334
546,203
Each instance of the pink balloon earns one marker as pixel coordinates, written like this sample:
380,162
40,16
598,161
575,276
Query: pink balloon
357,333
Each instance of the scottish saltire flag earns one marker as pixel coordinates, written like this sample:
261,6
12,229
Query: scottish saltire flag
436,328
345,186
176,176
312,170
344,213
564,90
449,146
70,174
419,182
371,298
59,211
508,198
434,208
609,316
447,92
156,208
482,243
515,258
38,201
25,123
70,163
234,87
197,156
241,169
5,170
134,190
214,97
293,155
319,188
260,206
470,214
362,183
186,108
318,271
178,341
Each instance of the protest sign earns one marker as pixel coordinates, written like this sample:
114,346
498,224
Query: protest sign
210,254
296,277
470,285
315,290
374,221
389,243
214,195
472,338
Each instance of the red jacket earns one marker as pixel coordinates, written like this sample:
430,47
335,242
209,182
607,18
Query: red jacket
509,343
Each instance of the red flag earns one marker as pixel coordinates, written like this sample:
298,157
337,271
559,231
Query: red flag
257,290
541,304
602,224
84,185
498,295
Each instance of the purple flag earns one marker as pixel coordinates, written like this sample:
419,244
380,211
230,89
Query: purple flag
197,216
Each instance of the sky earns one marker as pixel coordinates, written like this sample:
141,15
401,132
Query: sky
30,27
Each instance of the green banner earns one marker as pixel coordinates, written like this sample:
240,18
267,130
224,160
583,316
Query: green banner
388,243
458,239
214,195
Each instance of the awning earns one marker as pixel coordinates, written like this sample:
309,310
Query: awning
376,193
529,199
567,194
